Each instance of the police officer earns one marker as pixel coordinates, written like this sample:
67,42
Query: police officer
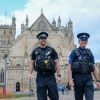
81,67
44,60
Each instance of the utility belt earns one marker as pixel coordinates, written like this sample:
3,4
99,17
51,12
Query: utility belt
82,67
45,73
81,73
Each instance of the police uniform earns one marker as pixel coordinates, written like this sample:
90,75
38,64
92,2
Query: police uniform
82,64
45,67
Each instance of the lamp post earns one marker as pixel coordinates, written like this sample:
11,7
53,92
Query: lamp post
5,62
5,52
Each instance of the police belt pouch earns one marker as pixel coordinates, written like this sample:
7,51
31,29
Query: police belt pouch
87,67
83,67
75,67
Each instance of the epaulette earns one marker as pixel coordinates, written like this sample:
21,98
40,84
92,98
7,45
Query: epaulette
77,51
89,52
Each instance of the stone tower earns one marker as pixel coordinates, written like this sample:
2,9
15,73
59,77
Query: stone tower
24,26
54,23
59,22
7,37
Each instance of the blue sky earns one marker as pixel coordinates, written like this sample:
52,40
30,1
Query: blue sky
11,5
85,15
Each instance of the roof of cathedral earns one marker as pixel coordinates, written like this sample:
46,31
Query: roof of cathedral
44,21
5,26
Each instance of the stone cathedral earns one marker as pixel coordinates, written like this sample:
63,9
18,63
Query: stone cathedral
18,50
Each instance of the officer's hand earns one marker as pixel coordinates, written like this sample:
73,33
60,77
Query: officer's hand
30,76
71,83
98,84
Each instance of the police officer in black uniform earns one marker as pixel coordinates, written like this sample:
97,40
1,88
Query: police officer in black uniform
81,67
44,60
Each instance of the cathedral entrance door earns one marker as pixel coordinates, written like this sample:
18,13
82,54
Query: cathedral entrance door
17,87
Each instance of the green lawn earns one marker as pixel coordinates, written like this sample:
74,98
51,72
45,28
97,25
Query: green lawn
21,95
14,96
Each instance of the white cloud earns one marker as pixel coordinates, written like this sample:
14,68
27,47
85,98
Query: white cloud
82,13
5,20
78,10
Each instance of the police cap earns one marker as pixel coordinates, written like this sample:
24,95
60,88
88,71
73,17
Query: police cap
83,36
42,34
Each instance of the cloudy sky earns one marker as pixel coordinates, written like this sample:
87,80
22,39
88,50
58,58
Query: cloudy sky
85,15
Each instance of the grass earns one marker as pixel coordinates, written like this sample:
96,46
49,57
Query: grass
21,95
2,96
9,94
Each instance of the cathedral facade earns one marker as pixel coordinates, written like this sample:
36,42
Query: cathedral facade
18,50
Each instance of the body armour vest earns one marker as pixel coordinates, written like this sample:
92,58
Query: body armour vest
44,60
82,62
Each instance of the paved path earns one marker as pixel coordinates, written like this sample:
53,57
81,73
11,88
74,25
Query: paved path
69,96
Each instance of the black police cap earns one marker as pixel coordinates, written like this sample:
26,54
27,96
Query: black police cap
83,36
42,34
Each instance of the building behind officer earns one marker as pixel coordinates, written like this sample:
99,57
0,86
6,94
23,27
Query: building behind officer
80,70
44,60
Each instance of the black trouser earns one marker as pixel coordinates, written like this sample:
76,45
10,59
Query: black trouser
46,85
83,84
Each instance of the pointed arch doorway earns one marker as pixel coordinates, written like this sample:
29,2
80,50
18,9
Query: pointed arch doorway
17,86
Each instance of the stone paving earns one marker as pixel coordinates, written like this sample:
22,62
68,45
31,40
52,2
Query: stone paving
69,96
